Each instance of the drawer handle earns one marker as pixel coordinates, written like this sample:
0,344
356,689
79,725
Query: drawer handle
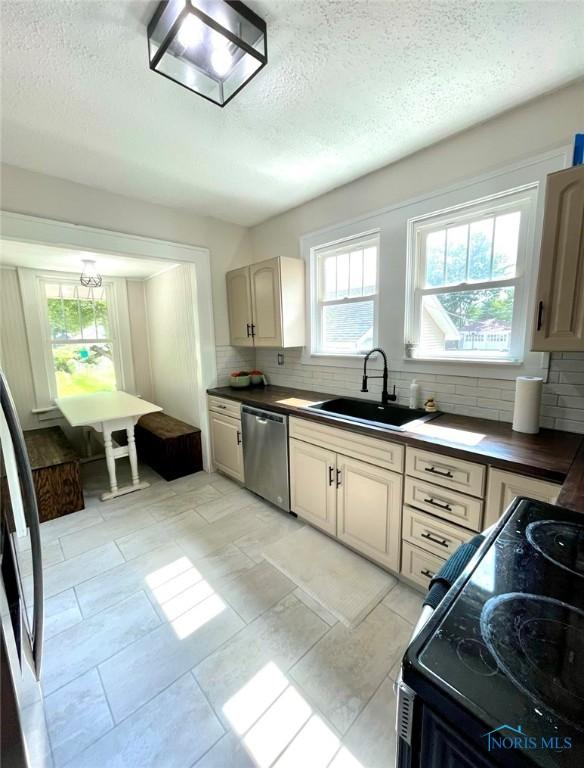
440,504
427,573
331,475
435,540
339,478
238,437
435,471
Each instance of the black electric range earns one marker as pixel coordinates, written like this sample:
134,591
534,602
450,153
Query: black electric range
497,674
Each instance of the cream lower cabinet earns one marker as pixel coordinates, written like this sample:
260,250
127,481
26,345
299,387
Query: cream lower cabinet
369,510
313,492
503,487
357,502
226,445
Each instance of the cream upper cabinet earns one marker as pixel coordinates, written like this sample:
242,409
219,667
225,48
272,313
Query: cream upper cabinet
559,322
313,492
266,304
239,307
503,487
226,444
369,510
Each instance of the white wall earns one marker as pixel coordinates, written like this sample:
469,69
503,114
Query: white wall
139,334
49,197
170,311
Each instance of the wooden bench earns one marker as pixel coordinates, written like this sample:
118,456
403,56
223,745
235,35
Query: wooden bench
171,447
55,472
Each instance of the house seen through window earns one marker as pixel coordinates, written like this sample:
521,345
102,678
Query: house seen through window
346,297
81,343
469,284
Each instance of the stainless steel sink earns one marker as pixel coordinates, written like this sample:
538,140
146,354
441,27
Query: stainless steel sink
390,416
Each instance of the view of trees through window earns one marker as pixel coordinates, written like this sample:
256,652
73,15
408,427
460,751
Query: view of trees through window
481,251
81,344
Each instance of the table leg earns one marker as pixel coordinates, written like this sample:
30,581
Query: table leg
133,456
110,458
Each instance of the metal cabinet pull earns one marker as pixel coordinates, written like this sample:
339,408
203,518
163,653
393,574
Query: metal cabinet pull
435,540
331,475
539,315
339,478
253,330
440,504
435,471
238,437
426,572
248,330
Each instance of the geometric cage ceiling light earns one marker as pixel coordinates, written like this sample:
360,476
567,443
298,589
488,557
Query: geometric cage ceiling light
211,47
90,277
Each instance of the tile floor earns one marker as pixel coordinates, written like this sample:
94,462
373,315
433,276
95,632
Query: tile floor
171,642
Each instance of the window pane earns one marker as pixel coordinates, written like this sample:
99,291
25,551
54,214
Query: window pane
342,275
506,243
435,247
56,319
456,250
83,368
370,271
479,251
467,322
347,327
330,278
356,273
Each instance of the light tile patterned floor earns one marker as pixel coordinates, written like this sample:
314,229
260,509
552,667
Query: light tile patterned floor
172,642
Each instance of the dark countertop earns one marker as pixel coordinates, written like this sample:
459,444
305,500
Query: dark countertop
572,493
548,455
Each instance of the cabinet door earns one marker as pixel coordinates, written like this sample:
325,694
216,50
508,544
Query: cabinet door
503,487
266,303
313,485
369,510
239,307
559,322
226,442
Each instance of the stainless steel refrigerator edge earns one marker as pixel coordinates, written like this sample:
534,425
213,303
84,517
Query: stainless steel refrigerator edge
265,455
21,624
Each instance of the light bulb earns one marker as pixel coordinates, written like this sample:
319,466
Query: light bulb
221,61
190,32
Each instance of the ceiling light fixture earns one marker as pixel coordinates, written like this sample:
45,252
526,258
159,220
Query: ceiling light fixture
211,47
90,277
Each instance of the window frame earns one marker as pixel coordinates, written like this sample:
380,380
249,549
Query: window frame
317,256
523,199
34,300
49,342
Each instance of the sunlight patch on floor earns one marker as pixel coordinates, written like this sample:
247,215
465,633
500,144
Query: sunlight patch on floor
188,601
278,727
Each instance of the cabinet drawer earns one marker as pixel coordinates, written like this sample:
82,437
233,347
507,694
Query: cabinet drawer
224,406
353,444
448,505
431,534
447,471
503,487
419,566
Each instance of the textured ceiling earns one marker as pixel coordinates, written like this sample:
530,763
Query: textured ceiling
349,87
35,256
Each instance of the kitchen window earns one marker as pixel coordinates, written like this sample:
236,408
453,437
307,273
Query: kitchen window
345,296
467,294
79,339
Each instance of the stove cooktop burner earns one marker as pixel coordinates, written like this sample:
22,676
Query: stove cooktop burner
538,643
561,543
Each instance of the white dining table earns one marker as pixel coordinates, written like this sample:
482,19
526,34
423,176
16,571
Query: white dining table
108,412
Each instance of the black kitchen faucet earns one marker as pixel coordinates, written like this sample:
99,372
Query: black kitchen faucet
385,396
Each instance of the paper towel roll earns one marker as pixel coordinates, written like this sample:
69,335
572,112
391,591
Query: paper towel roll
527,404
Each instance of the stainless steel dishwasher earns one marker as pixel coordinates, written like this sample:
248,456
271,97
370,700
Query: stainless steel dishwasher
265,455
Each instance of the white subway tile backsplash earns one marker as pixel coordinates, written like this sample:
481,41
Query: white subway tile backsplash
562,400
